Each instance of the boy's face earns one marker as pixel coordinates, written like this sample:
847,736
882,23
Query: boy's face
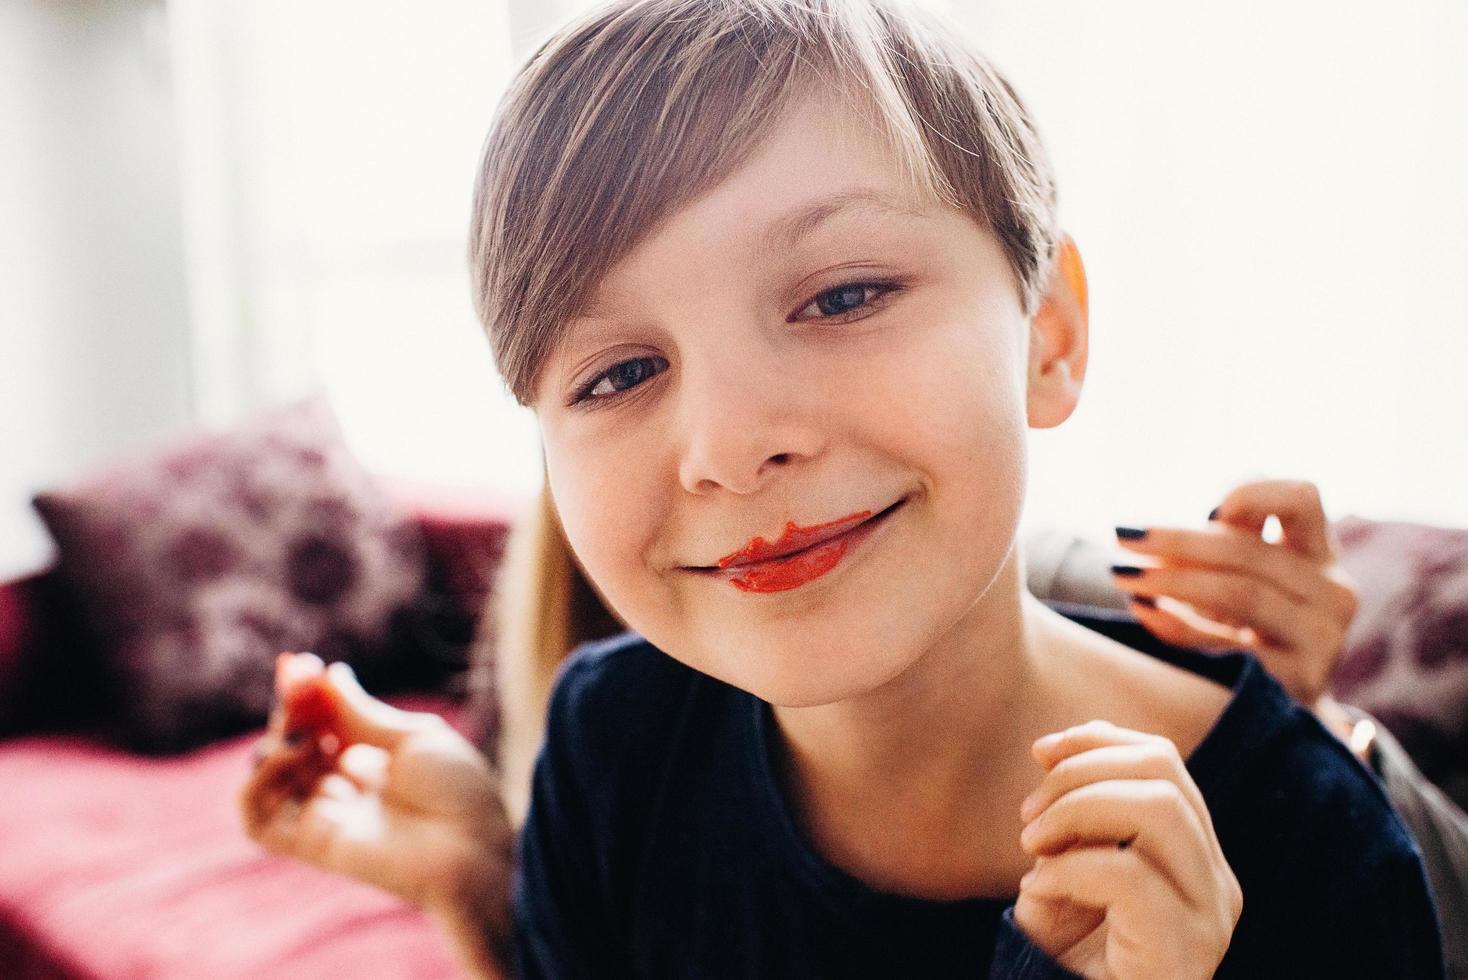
776,388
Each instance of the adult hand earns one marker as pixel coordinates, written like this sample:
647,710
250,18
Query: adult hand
392,798
1224,587
1129,881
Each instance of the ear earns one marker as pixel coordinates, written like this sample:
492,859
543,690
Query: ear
1059,332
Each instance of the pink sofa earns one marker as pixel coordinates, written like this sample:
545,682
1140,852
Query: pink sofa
118,865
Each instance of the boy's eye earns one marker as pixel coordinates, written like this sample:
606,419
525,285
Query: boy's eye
617,378
847,298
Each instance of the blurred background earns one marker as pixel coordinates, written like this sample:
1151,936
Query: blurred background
210,206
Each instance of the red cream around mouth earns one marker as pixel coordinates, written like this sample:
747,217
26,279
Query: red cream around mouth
759,574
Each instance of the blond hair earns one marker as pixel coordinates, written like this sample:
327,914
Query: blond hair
542,605
639,107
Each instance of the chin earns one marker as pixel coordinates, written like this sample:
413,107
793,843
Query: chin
805,675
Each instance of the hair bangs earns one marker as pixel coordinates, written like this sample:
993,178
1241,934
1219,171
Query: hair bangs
621,118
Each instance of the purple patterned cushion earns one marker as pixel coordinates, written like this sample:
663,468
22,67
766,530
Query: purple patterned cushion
1406,655
196,564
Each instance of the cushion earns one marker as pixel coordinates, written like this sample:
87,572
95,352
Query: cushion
464,530
1406,656
195,563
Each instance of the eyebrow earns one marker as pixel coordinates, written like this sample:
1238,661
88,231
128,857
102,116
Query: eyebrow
790,228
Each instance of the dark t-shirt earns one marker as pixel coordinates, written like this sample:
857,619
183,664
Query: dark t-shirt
659,843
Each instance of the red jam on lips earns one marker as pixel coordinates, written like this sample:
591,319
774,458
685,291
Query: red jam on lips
779,574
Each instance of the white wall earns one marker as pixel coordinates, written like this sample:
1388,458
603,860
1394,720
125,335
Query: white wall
1271,201
330,153
92,309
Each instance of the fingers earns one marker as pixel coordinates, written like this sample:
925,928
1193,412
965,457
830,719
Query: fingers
1149,816
1050,750
363,718
1111,784
1297,505
330,699
286,770
1097,877
1288,603
292,669
1099,751
1149,932
1182,630
365,766
1051,919
308,828
1226,548
1228,597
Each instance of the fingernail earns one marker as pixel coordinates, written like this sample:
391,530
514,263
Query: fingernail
1213,514
1145,601
1048,742
1126,571
1131,533
1028,877
1028,807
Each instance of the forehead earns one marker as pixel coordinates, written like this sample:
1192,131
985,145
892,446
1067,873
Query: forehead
823,163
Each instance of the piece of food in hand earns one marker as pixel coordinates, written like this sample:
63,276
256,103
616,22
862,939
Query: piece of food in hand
307,703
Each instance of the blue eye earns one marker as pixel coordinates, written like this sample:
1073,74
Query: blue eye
841,300
849,298
619,377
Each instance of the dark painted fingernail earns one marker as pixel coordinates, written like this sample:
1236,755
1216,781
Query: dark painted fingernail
1213,514
295,738
1131,533
1126,571
1145,601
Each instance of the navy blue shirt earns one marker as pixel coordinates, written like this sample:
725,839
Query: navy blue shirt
659,843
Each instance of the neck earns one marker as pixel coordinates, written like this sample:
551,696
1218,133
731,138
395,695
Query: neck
942,748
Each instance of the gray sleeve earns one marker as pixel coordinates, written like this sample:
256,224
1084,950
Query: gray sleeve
1440,829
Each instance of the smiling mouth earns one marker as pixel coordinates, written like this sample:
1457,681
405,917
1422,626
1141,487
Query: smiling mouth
799,556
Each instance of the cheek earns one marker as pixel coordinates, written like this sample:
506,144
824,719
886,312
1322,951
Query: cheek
962,423
954,394
609,512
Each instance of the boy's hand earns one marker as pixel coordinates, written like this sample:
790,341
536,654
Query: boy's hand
1289,602
1129,880
392,798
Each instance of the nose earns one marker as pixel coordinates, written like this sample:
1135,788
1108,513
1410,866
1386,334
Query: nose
742,422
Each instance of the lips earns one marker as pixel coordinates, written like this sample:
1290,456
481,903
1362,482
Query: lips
800,553
794,538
